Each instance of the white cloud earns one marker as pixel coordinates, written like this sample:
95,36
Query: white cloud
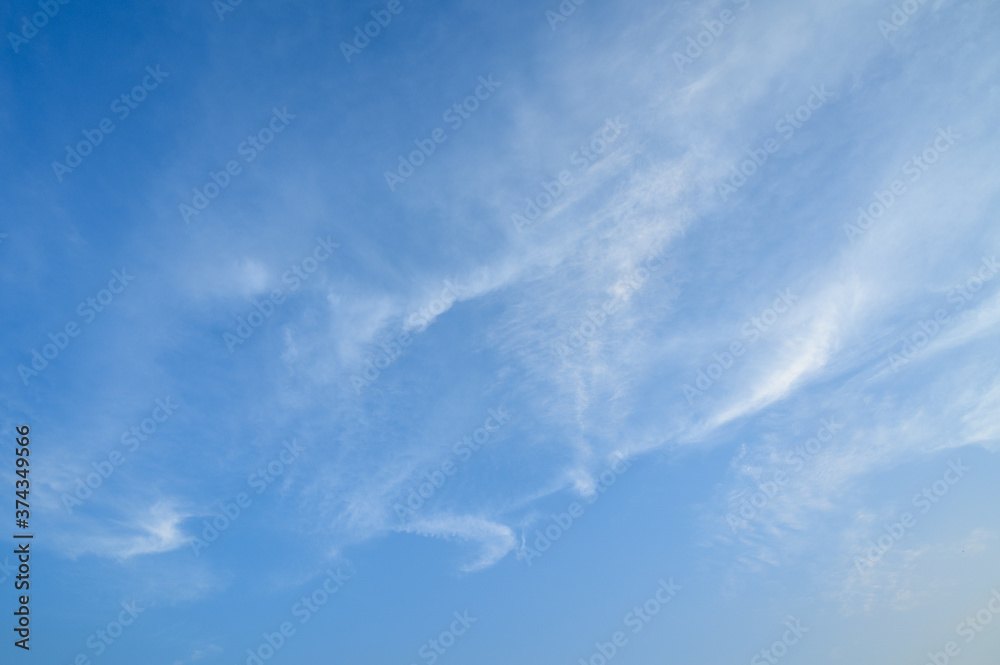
493,540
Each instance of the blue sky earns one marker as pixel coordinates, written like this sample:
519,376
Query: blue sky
521,332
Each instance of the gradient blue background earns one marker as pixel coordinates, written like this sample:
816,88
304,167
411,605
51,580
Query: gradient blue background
653,191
